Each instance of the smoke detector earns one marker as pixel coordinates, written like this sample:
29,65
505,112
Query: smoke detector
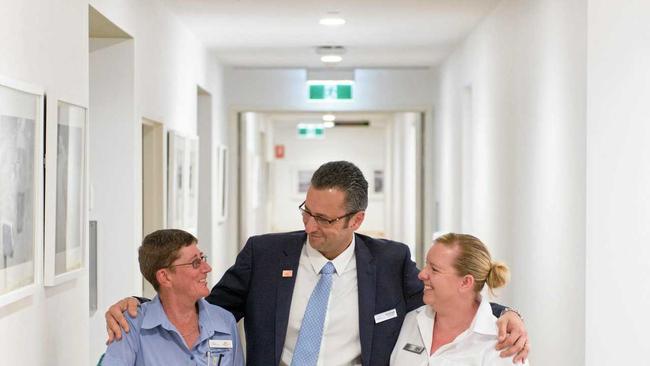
330,54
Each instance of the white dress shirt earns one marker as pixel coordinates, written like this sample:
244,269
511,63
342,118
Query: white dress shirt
473,347
340,345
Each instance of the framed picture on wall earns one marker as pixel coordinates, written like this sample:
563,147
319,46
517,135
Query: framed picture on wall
221,178
192,209
65,194
176,180
21,189
182,185
378,181
303,180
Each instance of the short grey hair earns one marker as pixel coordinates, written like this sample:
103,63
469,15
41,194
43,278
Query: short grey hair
345,177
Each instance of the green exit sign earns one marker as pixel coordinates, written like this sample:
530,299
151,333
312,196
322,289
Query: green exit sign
328,92
310,130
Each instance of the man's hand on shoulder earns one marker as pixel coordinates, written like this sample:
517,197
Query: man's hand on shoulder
513,338
115,320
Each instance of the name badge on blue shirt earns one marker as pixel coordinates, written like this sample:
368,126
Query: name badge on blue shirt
220,343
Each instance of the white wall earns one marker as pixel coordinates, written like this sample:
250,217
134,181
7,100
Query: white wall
207,149
169,65
114,175
525,65
254,140
212,129
45,42
51,52
286,90
375,90
618,183
218,235
225,245
170,61
402,189
365,146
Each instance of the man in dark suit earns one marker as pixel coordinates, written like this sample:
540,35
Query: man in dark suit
373,285
255,288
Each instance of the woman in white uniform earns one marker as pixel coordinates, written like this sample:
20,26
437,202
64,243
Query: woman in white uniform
456,325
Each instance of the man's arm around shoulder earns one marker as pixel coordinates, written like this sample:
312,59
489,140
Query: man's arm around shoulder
231,292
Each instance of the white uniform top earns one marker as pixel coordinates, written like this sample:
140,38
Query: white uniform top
473,347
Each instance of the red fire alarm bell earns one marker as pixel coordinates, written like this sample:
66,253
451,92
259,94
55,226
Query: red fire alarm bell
279,151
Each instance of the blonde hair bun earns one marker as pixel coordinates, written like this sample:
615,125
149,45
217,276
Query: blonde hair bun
498,276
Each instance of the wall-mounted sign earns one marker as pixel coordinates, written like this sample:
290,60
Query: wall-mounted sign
310,130
279,151
330,91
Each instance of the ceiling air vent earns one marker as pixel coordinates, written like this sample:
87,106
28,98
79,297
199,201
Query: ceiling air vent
352,124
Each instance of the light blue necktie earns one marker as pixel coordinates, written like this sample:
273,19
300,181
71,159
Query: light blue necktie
311,329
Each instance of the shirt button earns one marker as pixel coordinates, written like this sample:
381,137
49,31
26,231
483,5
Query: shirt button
191,357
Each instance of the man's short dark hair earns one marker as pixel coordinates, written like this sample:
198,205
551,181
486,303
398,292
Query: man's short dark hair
159,250
345,177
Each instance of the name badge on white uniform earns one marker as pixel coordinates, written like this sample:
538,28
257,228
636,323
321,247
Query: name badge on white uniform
382,317
220,343
413,348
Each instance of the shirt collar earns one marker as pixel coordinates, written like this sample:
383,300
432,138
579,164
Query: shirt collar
341,262
155,315
425,320
484,321
209,322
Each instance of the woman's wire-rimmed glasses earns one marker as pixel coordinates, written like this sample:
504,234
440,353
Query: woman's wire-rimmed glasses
196,263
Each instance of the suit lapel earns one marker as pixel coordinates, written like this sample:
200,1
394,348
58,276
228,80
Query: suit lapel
366,283
289,260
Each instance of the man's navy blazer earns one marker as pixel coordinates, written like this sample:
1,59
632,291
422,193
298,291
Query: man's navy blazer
255,289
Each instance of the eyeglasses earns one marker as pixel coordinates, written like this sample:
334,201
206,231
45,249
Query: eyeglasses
195,263
320,220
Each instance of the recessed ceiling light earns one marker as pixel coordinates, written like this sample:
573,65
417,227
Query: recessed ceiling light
332,21
329,117
331,59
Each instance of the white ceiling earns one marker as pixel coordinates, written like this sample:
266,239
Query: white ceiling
285,33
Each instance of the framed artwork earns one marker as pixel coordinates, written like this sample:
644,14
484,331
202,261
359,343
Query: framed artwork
21,189
378,181
176,180
192,209
221,179
303,180
65,192
182,185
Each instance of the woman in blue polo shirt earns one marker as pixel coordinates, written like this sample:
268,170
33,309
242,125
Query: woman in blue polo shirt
177,327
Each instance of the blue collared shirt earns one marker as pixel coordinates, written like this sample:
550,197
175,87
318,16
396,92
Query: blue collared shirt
153,339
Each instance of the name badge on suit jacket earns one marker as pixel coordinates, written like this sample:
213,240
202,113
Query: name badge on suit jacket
386,315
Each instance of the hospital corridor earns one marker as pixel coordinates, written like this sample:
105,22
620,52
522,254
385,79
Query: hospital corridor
524,123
